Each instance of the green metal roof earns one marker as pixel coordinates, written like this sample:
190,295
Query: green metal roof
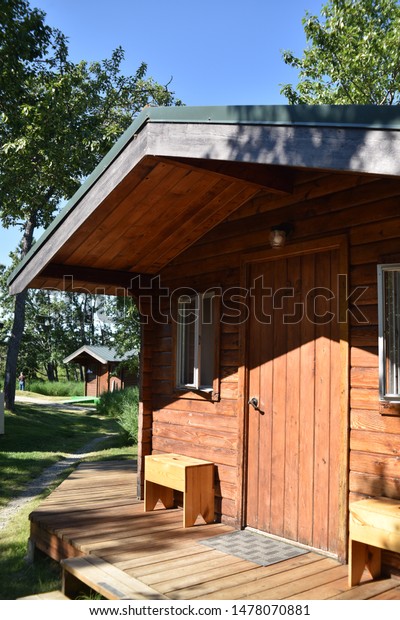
344,116
102,353
368,116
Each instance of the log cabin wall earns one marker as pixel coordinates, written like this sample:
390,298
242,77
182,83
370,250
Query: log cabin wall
148,357
365,209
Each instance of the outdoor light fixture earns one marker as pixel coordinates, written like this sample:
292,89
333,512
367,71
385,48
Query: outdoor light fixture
278,235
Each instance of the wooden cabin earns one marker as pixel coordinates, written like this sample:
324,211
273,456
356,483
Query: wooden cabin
263,246
104,369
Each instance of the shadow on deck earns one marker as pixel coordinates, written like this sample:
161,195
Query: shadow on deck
95,517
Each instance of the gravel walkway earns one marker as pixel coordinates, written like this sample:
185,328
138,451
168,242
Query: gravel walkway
39,484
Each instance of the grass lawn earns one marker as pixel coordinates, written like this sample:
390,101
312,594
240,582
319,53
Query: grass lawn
35,437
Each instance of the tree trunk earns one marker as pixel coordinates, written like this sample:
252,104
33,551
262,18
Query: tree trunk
10,375
50,371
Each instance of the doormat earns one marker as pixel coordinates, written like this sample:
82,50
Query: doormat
253,547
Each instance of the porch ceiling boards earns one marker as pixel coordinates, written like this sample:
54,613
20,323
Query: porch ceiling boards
159,209
94,512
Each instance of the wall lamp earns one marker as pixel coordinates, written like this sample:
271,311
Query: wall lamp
279,234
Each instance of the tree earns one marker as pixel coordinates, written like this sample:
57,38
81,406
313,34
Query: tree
353,55
24,38
65,118
57,323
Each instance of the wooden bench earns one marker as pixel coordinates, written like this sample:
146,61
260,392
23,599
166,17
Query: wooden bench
374,525
164,473
104,578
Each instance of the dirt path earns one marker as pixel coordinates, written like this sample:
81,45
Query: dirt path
39,484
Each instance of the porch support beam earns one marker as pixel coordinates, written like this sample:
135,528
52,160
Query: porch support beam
76,276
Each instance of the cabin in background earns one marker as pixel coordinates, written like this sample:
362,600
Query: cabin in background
263,247
105,370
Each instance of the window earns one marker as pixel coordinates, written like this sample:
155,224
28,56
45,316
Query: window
197,344
389,331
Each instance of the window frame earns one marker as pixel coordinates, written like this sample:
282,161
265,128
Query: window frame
212,390
384,337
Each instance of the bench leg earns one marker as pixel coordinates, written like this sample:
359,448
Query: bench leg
374,561
153,492
361,556
199,496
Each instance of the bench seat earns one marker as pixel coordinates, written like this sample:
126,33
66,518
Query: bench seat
374,524
164,473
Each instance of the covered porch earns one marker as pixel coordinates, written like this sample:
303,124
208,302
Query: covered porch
94,519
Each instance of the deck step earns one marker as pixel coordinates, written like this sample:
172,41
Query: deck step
105,579
56,595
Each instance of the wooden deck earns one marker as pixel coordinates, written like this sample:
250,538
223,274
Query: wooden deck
95,513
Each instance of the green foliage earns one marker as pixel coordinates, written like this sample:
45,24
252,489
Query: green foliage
57,323
123,405
57,388
126,320
24,38
76,113
17,577
352,57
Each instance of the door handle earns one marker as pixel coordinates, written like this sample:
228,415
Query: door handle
254,403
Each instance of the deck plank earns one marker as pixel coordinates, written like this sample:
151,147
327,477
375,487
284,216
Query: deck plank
261,578
284,590
209,559
146,561
323,592
388,595
367,590
279,584
95,513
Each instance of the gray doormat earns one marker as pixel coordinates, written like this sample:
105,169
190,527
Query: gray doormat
253,547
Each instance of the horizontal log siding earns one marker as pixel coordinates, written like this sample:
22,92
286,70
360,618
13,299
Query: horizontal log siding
366,210
374,429
196,426
146,397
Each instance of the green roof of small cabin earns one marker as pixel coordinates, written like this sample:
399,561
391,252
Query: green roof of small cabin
365,118
100,353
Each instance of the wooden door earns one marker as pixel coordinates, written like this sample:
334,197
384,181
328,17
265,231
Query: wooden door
294,485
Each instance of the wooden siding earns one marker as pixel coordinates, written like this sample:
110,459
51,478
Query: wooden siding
101,380
365,210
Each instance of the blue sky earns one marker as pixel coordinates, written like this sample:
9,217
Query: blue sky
218,52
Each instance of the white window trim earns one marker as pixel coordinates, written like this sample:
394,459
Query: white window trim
196,385
383,395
